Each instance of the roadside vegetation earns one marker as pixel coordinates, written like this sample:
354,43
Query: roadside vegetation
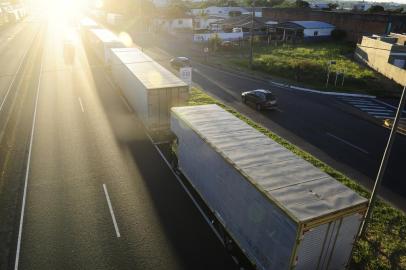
384,244
307,65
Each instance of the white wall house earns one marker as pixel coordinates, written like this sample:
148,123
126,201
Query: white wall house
361,6
174,24
307,30
319,5
204,22
218,11
161,3
223,36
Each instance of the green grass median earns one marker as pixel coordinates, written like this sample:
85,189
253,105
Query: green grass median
384,244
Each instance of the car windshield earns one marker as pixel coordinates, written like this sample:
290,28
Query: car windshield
265,95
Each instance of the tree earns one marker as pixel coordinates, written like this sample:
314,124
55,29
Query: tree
302,4
265,3
376,8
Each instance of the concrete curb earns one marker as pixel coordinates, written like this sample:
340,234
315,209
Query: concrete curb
320,92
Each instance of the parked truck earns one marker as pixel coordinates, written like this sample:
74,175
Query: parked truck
278,209
102,40
150,89
85,25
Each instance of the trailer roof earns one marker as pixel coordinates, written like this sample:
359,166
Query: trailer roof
151,74
106,36
301,189
87,22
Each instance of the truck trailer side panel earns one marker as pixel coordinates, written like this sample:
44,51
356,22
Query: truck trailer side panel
282,211
265,233
150,89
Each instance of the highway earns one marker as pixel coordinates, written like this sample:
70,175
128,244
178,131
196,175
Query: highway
82,186
334,131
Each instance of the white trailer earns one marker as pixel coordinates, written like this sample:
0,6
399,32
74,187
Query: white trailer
102,40
150,89
85,25
280,210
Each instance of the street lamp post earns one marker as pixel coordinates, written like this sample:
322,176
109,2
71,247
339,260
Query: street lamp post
328,70
252,35
384,162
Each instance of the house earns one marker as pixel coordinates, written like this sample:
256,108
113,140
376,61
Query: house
243,22
161,3
385,54
355,24
174,24
319,5
258,11
206,22
224,12
361,6
303,30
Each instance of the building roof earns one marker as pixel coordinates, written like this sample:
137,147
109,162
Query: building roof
313,24
105,36
305,25
305,192
243,21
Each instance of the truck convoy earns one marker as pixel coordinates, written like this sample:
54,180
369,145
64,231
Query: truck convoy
101,40
280,210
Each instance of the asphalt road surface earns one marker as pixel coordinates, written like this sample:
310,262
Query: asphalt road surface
335,132
82,187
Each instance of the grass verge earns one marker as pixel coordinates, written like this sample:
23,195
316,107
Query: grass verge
307,65
384,244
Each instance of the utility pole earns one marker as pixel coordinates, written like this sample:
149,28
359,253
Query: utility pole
252,34
384,162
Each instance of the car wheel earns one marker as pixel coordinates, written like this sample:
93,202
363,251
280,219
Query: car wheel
259,107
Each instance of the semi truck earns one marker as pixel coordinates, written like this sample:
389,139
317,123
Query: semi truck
149,88
279,210
102,40
85,24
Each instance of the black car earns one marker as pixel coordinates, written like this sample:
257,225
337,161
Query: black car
179,62
262,99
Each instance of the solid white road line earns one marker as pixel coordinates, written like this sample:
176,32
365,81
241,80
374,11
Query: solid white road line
374,109
81,105
381,113
347,143
15,75
371,108
20,230
113,217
